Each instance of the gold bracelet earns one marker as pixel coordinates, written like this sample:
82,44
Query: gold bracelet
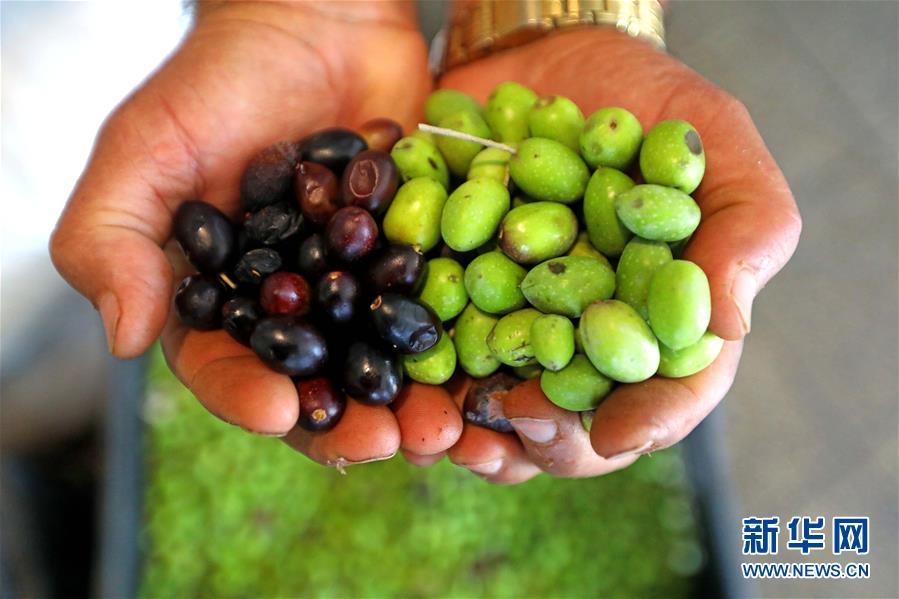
480,27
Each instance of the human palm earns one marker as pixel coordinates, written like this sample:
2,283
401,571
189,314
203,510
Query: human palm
246,76
750,229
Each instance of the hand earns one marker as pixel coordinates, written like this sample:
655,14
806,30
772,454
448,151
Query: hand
750,228
246,76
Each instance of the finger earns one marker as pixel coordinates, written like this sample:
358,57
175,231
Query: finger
554,438
422,461
657,413
429,421
496,457
230,381
364,434
106,244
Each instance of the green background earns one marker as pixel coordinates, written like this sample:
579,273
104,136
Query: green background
229,514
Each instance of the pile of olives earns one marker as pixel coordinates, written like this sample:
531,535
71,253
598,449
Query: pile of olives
366,257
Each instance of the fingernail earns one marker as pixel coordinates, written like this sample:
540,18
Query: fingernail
491,467
536,430
743,291
108,307
639,450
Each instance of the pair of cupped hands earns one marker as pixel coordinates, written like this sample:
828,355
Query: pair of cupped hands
248,75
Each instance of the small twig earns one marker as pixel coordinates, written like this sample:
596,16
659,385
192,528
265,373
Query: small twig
459,135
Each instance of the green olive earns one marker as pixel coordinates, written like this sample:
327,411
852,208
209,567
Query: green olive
434,366
493,282
470,339
473,212
658,213
552,337
618,341
413,217
577,387
537,231
510,339
444,102
679,304
548,170
672,155
444,288
507,111
611,137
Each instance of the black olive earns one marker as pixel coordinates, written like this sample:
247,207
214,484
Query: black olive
289,346
239,318
405,323
333,148
199,300
371,374
205,234
397,268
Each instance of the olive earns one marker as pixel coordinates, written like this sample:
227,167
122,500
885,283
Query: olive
371,374
268,177
321,405
273,224
405,323
205,234
239,318
483,404
316,191
313,259
351,234
289,345
381,134
256,264
337,294
199,300
333,148
397,268
370,181
285,293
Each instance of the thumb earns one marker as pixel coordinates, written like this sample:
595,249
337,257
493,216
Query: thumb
107,243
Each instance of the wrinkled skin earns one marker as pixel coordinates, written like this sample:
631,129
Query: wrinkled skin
248,75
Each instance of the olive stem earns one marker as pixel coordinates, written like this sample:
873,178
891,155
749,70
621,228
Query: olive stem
459,135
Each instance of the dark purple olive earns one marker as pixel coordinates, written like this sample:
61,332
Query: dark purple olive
289,346
370,181
313,257
205,234
381,134
371,374
285,293
239,318
317,193
269,176
397,268
255,265
273,224
483,404
321,405
199,300
337,294
351,234
333,148
405,323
